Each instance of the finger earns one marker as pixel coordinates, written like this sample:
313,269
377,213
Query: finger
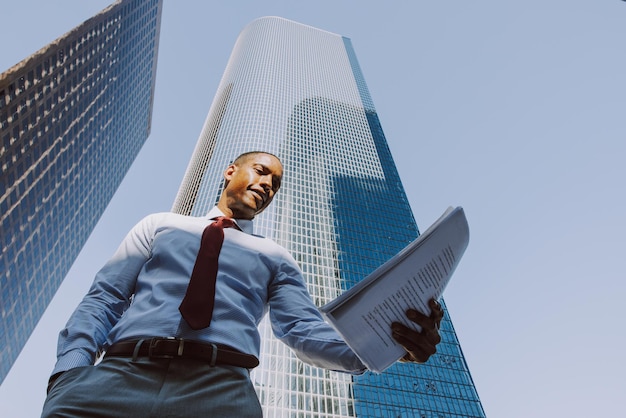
418,350
418,357
436,310
429,324
411,339
406,358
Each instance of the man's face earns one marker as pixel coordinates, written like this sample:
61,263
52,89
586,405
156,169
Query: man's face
251,185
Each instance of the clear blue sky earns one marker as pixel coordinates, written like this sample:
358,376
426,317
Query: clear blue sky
513,110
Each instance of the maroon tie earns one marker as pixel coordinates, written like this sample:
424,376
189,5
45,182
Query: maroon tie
197,305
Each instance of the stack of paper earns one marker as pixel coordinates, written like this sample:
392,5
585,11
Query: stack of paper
363,314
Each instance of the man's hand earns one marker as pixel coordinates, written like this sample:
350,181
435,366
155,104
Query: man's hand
420,345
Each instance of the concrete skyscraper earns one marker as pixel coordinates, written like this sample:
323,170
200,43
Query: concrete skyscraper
73,117
298,92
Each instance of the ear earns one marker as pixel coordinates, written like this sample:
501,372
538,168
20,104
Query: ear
228,173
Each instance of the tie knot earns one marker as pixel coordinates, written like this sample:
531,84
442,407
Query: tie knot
224,222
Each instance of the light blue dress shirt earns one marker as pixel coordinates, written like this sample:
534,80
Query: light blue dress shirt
138,291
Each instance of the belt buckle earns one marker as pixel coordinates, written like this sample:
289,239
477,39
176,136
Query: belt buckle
154,342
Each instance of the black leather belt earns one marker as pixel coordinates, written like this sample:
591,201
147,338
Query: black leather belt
178,347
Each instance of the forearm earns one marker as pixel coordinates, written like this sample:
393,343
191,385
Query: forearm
322,347
297,322
87,329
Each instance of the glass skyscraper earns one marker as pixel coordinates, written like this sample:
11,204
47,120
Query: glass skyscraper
297,91
73,117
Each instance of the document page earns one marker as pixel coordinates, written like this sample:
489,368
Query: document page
363,314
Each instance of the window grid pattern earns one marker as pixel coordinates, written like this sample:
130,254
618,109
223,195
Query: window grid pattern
298,92
73,116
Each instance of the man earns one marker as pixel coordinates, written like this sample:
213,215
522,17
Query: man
159,361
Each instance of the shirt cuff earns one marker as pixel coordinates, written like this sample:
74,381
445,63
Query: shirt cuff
70,360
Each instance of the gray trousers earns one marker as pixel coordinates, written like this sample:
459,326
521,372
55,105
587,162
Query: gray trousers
121,387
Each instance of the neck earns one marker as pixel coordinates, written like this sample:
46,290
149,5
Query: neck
232,213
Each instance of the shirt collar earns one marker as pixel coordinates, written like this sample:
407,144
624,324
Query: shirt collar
246,225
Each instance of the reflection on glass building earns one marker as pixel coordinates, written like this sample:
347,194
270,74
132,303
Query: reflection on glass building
73,116
298,92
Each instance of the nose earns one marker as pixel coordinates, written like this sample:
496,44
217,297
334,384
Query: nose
266,182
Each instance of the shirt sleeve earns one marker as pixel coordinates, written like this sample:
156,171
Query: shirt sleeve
297,322
110,294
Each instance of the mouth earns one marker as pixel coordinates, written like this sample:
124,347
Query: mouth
261,197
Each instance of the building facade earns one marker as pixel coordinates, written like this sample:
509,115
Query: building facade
298,92
73,117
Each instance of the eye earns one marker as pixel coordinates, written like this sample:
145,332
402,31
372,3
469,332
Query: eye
276,185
